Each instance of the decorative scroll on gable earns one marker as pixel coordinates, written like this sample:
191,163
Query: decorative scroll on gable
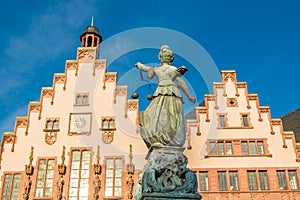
100,64
47,92
8,137
228,74
59,78
21,122
71,65
133,105
86,54
109,77
34,106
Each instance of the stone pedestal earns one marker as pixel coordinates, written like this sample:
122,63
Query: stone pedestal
167,177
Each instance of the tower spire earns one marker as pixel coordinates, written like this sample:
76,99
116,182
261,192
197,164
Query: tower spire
92,23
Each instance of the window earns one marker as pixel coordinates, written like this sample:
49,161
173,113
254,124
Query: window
212,148
82,99
108,123
244,147
11,186
234,183
45,178
263,179
79,175
89,41
113,174
260,147
222,180
52,124
252,181
282,180
220,148
222,121
228,148
245,120
293,179
203,181
253,147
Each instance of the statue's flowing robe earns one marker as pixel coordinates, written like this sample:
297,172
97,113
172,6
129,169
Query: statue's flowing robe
162,123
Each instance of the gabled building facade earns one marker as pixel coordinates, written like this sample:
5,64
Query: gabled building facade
81,140
85,119
238,150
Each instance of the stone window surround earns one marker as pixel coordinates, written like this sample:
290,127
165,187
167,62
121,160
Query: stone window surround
11,186
105,168
234,148
271,171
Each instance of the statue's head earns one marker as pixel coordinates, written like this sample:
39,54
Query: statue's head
166,56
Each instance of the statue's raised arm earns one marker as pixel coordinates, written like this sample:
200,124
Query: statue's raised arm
142,67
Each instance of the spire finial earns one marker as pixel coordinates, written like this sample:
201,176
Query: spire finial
92,23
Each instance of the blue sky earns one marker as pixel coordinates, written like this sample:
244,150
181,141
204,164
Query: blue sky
257,38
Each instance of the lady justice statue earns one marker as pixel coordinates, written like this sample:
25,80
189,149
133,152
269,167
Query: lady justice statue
162,123
165,176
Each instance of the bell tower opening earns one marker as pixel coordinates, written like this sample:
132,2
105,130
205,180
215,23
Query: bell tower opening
91,36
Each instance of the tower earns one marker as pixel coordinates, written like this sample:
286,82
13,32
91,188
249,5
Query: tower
91,36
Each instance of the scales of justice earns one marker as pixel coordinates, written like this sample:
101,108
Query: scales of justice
162,128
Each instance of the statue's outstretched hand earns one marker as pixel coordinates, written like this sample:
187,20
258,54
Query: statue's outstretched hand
192,99
138,65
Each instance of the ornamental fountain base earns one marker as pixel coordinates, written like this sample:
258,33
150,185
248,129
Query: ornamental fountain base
166,176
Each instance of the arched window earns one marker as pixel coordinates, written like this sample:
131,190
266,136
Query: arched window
95,42
52,124
55,124
111,123
49,125
89,41
105,124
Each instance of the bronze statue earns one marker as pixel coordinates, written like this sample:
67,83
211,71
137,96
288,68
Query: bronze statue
162,123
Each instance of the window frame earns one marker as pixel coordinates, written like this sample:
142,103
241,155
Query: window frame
282,179
109,126
52,120
214,148
289,179
80,96
256,146
204,187
262,186
224,181
114,158
254,177
11,188
45,177
247,123
222,120
81,150
235,180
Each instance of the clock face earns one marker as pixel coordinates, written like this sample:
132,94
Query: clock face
80,123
